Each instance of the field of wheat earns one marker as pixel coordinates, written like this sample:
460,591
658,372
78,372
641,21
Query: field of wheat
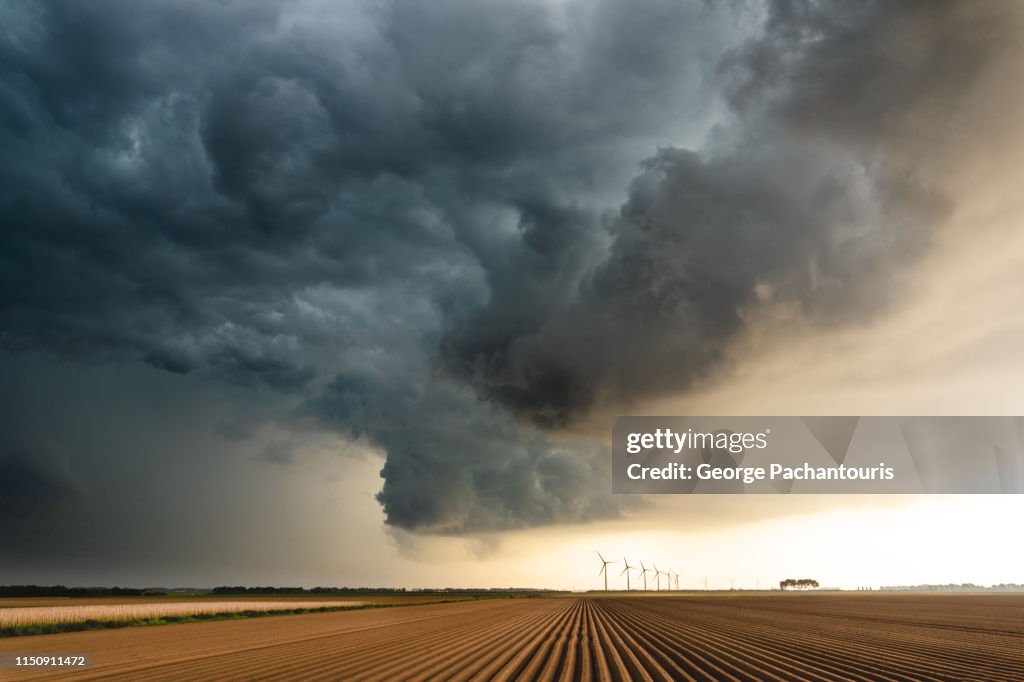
50,615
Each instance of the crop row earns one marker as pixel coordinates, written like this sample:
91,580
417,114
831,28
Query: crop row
603,638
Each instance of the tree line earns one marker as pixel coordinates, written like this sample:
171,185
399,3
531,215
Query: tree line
61,591
242,590
798,584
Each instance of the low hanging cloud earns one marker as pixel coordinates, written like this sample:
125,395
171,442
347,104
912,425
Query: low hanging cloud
424,224
457,465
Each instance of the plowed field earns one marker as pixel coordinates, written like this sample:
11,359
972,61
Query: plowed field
704,637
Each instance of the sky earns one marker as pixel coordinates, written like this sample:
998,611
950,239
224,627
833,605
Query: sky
348,293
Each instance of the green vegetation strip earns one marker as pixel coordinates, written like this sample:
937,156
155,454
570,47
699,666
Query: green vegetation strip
55,628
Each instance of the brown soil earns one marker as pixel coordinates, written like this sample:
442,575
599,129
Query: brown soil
777,637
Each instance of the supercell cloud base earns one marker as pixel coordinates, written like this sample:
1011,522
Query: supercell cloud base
254,251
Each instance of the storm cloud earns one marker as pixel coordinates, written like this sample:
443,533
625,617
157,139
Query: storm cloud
453,228
815,199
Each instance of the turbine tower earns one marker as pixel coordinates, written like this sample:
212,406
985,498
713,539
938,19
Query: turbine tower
676,576
626,570
644,571
604,569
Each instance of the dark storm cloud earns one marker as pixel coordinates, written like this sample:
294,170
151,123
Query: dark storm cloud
269,198
409,216
700,243
456,465
867,72
815,200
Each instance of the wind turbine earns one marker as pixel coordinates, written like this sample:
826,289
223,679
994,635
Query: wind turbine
604,569
657,576
626,570
644,571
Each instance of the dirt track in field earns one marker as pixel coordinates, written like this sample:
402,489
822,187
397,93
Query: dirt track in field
800,637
